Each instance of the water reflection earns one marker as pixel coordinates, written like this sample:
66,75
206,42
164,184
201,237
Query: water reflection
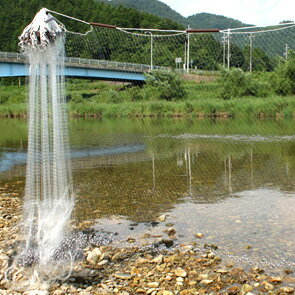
232,180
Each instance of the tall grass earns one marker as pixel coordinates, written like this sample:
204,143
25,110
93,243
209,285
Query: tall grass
99,99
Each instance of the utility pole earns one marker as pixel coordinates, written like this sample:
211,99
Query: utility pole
188,51
251,52
152,45
185,54
286,53
224,48
228,49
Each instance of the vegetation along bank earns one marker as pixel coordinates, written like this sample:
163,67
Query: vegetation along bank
223,93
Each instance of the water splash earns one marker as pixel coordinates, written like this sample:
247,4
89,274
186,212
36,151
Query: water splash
49,198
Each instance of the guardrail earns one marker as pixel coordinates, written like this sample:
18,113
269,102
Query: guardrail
83,62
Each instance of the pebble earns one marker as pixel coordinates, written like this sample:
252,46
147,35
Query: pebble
162,218
123,276
171,231
167,242
153,285
222,271
199,235
275,279
36,292
267,286
288,271
206,282
246,288
94,256
158,259
233,290
288,290
179,272
189,292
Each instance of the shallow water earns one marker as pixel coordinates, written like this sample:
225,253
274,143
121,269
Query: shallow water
231,180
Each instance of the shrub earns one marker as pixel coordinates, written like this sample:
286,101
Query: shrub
169,84
237,83
135,94
4,97
284,77
114,97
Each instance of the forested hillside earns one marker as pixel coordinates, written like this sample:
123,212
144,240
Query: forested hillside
213,21
199,20
151,6
15,15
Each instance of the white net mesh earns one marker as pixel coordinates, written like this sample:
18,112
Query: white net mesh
232,180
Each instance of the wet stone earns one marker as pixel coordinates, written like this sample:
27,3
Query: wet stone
267,286
167,242
246,288
123,276
233,290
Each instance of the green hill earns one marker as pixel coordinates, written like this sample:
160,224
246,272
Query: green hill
16,15
213,21
199,20
154,7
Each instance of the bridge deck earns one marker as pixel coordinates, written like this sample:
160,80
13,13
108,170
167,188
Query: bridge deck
16,64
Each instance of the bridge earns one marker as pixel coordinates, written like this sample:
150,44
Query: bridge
16,65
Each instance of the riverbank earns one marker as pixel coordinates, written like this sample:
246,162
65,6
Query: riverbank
110,100
158,269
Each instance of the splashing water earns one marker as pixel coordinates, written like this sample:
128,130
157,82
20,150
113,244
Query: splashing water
49,198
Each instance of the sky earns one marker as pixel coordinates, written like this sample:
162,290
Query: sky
256,12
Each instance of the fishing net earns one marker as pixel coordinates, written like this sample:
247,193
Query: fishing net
212,156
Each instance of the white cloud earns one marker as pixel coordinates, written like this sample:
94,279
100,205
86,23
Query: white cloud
258,12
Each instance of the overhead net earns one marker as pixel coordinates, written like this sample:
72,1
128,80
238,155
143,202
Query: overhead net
252,48
202,163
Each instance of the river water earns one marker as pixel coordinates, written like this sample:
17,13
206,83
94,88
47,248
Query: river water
231,180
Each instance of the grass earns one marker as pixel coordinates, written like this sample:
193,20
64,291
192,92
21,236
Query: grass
245,107
99,99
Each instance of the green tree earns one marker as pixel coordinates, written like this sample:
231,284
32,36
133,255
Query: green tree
284,76
260,60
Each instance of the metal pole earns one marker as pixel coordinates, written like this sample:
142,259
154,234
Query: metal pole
228,49
190,172
154,174
148,32
188,53
223,41
287,49
251,47
152,45
185,52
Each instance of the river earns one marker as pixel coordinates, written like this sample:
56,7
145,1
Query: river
231,180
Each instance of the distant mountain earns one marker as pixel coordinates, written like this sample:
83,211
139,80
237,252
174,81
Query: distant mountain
199,20
213,21
154,7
